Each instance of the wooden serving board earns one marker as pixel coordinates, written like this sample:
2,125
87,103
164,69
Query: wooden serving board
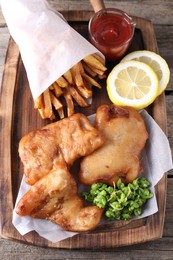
18,117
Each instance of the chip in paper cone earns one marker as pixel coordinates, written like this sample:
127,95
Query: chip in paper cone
49,46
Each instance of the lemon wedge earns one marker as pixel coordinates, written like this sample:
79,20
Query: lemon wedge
132,83
156,62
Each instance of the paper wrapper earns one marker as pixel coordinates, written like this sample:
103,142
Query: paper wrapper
156,160
48,45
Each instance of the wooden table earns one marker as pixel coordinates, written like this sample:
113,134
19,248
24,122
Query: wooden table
160,13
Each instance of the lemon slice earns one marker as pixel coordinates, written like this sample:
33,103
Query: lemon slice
156,62
132,83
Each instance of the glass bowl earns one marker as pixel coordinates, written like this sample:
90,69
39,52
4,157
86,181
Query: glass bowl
111,31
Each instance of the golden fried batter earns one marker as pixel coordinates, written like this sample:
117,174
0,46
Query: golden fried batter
119,157
54,197
65,140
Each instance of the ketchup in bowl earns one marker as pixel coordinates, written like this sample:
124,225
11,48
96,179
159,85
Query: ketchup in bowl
111,31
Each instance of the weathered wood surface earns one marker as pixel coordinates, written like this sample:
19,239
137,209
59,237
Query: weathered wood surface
161,13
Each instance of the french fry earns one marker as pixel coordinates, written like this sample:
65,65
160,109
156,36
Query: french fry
98,57
56,89
75,70
84,91
91,60
91,81
61,113
77,97
70,104
51,87
38,103
75,86
68,77
41,111
97,71
47,104
89,70
80,86
52,116
81,69
62,82
102,76
55,101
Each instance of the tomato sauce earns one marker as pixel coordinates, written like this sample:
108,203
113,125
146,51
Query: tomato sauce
111,33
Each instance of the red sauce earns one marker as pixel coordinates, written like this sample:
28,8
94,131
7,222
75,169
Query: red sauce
111,34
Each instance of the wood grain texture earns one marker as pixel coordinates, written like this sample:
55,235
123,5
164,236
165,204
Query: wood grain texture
6,119
161,15
158,11
146,8
19,117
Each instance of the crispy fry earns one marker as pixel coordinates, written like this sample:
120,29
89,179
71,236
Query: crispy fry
75,70
51,87
81,67
47,104
82,89
57,90
52,116
91,60
102,76
89,70
97,71
98,57
55,101
38,103
41,111
91,80
62,82
70,105
61,113
77,97
68,77
75,85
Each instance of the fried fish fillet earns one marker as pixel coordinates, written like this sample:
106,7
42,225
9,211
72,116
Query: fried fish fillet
119,157
54,197
65,140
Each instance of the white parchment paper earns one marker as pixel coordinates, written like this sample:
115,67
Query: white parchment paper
48,45
156,160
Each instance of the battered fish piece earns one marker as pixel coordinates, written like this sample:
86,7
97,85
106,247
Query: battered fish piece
65,140
54,197
119,157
